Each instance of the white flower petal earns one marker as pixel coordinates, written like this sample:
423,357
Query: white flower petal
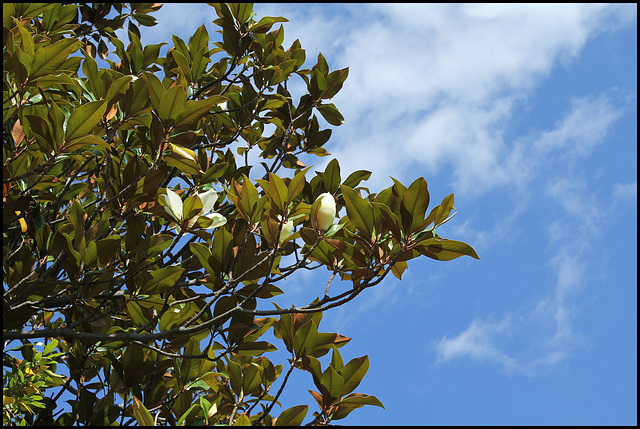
174,204
208,199
218,220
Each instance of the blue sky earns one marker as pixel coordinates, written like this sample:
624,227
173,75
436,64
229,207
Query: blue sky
529,115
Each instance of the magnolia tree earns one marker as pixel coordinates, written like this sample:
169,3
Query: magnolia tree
141,250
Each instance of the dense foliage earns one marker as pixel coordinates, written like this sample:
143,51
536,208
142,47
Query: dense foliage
141,248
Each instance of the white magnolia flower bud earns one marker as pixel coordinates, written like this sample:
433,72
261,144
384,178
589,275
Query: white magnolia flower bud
286,230
323,212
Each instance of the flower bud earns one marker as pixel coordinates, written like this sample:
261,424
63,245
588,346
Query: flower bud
286,230
323,212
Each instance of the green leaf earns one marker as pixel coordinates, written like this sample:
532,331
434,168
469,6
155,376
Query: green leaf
140,412
195,110
356,177
48,59
136,314
198,42
265,23
120,86
352,402
333,382
442,249
146,20
242,420
84,119
156,90
359,211
335,81
235,377
276,190
331,176
50,347
336,361
331,114
101,252
440,213
415,201
251,379
353,372
191,367
242,11
183,64
297,184
292,416
173,103
305,338
256,348
161,279
203,254
183,159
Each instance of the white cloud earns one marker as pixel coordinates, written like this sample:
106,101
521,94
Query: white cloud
477,342
433,87
582,129
626,191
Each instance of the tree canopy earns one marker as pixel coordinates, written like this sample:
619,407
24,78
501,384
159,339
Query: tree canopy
140,246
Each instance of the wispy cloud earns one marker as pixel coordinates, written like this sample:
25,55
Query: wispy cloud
572,230
626,191
433,87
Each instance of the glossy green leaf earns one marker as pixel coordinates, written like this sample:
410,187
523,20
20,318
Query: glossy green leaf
335,80
195,110
352,402
156,90
353,372
135,313
172,103
415,201
305,338
297,184
336,360
256,348
183,159
331,176
359,211
118,87
293,416
48,59
140,412
235,377
333,382
356,177
203,254
161,279
242,420
251,379
84,119
331,114
445,250
440,213
265,23
191,367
